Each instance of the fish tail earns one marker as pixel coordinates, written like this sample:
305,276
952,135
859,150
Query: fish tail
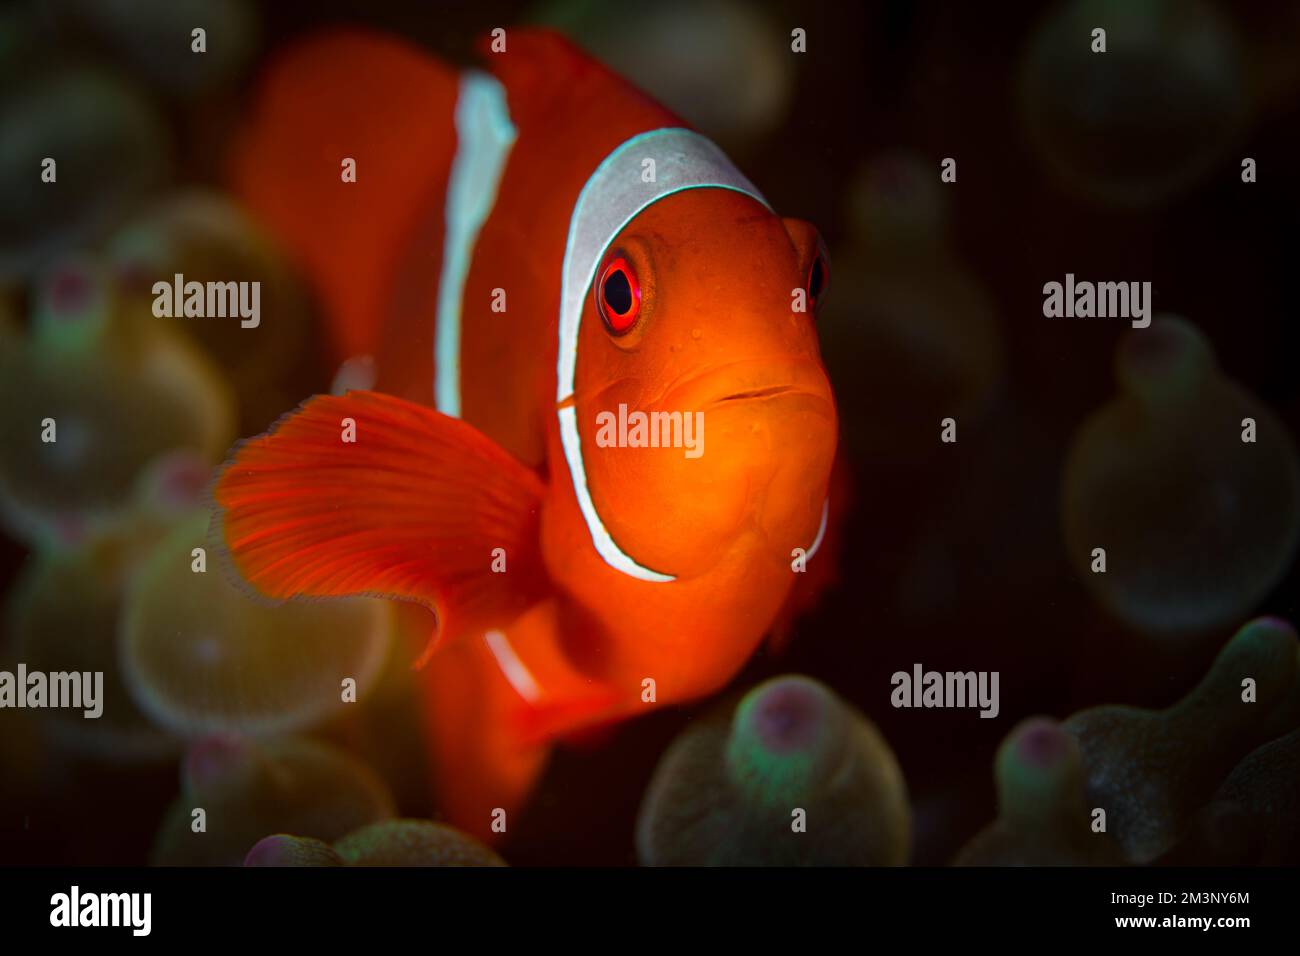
483,773
345,157
494,704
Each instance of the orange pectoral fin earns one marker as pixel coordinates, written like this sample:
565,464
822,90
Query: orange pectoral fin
367,494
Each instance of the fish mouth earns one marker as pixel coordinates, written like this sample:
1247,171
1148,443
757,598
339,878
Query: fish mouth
744,382
754,394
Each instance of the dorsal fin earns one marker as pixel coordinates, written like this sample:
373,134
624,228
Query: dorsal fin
542,67
349,95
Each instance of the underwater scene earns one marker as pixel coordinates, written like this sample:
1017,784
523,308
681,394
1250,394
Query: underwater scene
606,434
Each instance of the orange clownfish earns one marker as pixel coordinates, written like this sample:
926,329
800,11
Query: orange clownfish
599,436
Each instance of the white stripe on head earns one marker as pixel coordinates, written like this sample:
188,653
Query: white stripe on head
612,197
484,136
606,547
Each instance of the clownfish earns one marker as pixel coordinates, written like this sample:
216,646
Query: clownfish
563,294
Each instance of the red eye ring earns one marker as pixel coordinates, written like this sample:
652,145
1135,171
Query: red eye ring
618,295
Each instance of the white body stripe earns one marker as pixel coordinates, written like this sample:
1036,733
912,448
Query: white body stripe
512,667
611,198
821,530
484,136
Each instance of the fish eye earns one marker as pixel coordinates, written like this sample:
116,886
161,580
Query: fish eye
618,295
818,281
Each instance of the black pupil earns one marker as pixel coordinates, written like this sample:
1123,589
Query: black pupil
816,279
618,292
